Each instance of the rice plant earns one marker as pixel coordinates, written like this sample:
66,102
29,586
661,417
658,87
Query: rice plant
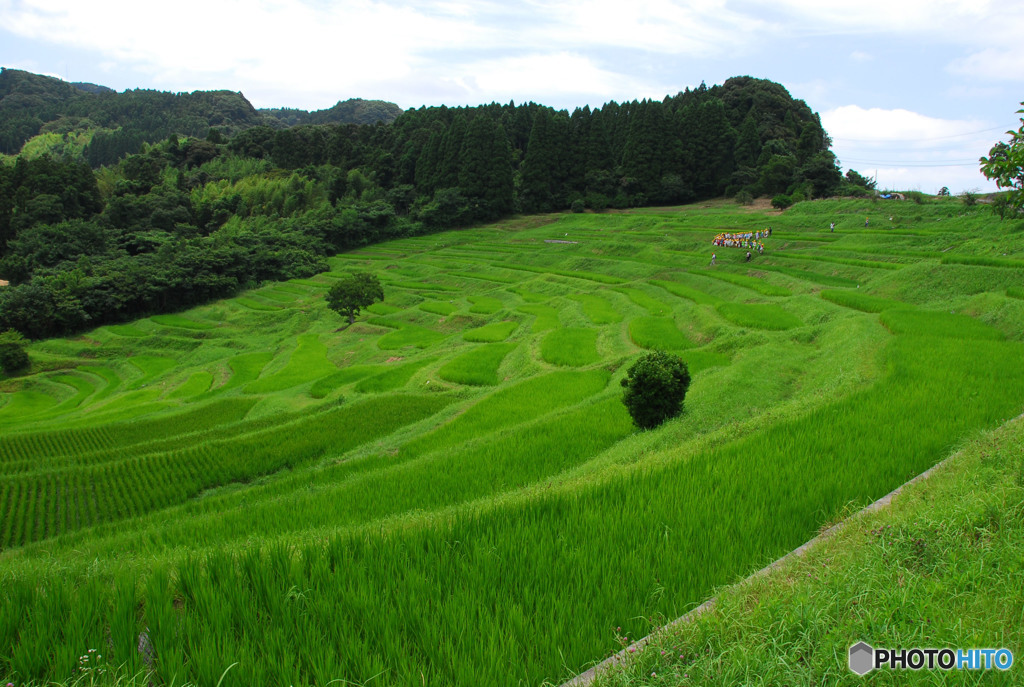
477,367
497,528
546,317
572,346
438,307
938,324
181,322
597,309
409,335
861,301
395,378
683,291
307,362
753,283
485,305
758,315
658,333
490,333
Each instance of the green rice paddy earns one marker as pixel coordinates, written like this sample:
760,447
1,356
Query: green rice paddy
450,491
659,333
489,333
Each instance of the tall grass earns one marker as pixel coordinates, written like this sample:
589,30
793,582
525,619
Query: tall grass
646,301
491,333
478,367
938,324
438,308
409,335
576,274
607,555
485,305
480,534
658,333
307,362
546,317
181,322
325,385
758,315
572,346
983,260
753,283
598,310
874,264
683,291
140,483
395,378
861,301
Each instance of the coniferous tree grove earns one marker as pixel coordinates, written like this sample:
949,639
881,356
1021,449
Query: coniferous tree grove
190,200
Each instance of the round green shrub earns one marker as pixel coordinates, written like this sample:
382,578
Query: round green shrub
13,357
655,387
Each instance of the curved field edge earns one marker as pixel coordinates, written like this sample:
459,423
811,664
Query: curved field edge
946,549
581,536
747,381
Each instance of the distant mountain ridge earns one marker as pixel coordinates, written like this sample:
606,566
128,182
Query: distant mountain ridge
351,111
91,87
118,123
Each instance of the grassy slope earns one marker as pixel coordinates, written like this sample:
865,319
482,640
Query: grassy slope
940,567
500,495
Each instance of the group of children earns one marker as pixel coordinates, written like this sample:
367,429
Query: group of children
750,240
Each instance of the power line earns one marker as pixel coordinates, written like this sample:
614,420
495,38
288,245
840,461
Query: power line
909,164
929,138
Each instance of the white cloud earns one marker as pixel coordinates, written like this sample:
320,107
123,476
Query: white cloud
951,18
930,180
299,45
860,56
875,125
283,43
992,64
910,150
319,51
534,76
695,28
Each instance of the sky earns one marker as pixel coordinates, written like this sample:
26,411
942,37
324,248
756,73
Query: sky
912,92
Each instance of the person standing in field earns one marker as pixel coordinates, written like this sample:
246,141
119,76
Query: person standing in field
866,222
832,227
712,259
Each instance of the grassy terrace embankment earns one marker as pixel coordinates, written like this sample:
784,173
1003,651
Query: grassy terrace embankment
450,490
941,566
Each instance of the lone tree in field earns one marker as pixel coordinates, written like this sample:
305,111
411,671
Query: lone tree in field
655,385
13,357
353,293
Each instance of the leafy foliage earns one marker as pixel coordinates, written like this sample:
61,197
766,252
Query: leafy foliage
1005,164
350,295
655,386
13,356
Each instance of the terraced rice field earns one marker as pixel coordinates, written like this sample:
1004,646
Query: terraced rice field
450,491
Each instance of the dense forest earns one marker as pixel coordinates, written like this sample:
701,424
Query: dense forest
215,196
116,124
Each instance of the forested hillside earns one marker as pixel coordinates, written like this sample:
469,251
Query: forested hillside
200,214
108,125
